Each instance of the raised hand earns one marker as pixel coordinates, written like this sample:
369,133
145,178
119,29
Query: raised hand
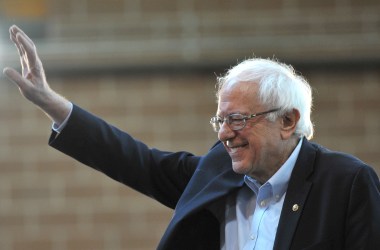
32,82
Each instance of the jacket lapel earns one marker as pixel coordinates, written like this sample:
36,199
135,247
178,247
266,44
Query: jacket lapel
219,186
296,196
214,178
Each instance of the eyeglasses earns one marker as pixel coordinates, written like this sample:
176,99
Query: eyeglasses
235,121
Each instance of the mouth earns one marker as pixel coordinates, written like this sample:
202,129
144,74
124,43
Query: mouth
233,149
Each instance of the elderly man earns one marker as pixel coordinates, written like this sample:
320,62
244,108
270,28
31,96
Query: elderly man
262,186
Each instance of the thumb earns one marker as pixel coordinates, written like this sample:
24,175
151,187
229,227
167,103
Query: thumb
15,77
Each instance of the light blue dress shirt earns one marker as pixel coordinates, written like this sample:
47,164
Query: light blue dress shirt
252,215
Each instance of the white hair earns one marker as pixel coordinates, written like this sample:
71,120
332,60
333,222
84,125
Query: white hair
279,87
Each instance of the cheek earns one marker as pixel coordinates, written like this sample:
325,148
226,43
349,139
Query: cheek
256,150
253,153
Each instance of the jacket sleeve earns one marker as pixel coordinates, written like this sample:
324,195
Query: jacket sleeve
158,174
363,215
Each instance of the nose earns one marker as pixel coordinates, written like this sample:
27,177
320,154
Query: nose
225,132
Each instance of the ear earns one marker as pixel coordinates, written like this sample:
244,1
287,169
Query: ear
289,123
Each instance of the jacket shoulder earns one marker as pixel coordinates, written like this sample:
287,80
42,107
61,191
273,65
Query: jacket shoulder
339,160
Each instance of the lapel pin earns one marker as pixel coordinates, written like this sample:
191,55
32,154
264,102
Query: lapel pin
295,207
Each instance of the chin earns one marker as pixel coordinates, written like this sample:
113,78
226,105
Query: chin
239,168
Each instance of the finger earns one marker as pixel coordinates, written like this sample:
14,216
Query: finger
13,30
16,30
16,78
17,33
31,60
12,33
22,40
31,64
24,62
29,48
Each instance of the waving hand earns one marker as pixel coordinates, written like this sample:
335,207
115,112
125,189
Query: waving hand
32,82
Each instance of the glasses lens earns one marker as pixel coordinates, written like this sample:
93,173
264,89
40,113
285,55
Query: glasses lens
216,123
236,121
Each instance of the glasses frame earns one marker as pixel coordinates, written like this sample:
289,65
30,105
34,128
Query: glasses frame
217,122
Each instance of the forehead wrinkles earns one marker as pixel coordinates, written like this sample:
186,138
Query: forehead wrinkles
237,91
238,97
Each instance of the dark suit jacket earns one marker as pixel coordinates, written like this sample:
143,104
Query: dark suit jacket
337,195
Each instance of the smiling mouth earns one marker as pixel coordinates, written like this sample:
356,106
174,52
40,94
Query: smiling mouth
235,149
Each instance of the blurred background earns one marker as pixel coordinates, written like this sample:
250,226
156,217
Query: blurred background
150,68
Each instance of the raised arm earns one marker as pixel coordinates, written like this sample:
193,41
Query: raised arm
32,82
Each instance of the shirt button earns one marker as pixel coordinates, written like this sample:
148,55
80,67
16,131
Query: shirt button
263,203
252,237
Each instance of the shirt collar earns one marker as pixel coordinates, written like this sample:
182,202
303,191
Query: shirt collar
278,183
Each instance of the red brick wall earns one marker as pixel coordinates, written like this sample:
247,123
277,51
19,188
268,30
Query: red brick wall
52,202
48,201
346,112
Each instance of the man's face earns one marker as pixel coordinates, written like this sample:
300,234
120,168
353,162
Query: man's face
255,150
